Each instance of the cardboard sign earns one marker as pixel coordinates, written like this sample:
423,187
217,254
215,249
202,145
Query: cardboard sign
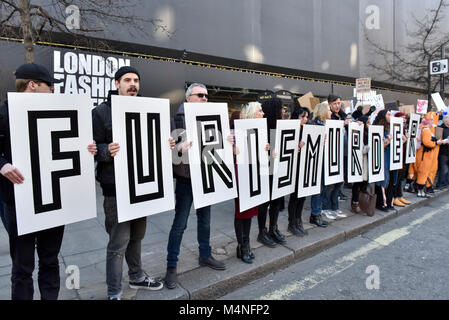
304,100
421,106
49,138
252,162
311,160
363,84
144,185
409,109
438,101
211,160
376,154
333,154
286,147
396,149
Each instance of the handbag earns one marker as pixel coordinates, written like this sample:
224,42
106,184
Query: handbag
367,202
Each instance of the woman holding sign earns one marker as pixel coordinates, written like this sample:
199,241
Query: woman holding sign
295,204
383,119
272,110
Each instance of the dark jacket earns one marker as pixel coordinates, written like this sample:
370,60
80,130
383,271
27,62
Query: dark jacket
180,171
444,148
102,128
6,186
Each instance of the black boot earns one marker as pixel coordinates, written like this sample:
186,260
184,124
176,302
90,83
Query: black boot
316,219
239,251
265,239
245,252
300,228
293,229
276,235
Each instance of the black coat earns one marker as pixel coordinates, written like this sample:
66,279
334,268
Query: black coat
6,186
102,128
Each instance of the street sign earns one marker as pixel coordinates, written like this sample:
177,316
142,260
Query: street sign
439,67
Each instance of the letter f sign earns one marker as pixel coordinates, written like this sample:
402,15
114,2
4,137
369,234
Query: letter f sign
49,163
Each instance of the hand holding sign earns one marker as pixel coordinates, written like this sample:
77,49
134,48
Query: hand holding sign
12,174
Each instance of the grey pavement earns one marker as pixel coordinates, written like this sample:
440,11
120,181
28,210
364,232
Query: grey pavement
84,246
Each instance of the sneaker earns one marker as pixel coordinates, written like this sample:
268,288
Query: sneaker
147,284
339,214
329,214
342,197
113,298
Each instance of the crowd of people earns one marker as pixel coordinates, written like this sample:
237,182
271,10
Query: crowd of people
125,238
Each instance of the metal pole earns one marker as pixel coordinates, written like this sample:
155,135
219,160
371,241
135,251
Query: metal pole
442,77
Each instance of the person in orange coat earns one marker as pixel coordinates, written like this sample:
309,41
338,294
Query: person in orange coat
425,157
434,117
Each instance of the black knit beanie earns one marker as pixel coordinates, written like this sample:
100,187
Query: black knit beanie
124,70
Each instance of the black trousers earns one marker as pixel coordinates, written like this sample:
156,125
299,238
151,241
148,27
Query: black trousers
295,207
48,244
356,188
273,212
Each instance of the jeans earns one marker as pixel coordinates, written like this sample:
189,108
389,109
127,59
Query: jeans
125,241
443,170
48,244
331,193
184,199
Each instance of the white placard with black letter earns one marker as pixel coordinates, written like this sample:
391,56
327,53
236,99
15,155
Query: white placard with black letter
355,152
285,163
143,180
333,154
210,157
49,138
410,155
311,160
396,149
252,162
376,154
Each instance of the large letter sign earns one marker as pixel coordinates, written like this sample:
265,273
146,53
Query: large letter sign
49,138
144,186
285,164
355,152
210,158
311,160
396,150
376,154
252,162
333,155
410,156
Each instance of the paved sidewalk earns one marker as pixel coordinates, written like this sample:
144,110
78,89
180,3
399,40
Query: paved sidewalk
84,245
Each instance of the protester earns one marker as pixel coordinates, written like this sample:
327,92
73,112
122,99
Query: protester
272,110
334,191
196,92
124,238
321,113
30,78
383,119
242,220
425,155
295,204
361,186
443,156
394,190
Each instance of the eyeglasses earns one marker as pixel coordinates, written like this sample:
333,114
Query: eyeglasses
201,95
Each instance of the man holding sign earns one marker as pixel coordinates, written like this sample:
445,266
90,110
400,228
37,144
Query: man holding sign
125,238
29,78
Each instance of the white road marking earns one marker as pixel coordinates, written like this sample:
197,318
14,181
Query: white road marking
322,274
